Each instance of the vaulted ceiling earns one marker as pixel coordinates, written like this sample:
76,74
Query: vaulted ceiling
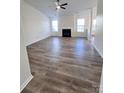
48,7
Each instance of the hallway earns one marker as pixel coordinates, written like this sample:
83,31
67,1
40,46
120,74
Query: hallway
64,65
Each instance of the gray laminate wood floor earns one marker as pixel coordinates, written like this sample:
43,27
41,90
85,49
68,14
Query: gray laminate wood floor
64,65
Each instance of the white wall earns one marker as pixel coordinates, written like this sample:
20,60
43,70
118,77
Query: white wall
34,27
25,74
69,21
35,24
98,40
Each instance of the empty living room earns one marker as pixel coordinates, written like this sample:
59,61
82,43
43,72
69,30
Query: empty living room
61,46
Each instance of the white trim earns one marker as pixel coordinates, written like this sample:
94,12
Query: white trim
101,84
98,50
101,80
26,82
37,40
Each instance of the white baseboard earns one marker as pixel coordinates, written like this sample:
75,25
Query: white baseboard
32,42
98,50
26,82
101,80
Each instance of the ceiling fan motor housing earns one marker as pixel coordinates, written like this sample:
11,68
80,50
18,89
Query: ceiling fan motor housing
60,5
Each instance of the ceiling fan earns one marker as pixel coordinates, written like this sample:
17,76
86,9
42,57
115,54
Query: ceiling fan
58,5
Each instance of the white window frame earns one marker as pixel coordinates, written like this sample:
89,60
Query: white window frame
94,22
80,27
54,25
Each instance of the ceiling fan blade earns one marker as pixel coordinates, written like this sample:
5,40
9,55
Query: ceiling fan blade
64,4
62,7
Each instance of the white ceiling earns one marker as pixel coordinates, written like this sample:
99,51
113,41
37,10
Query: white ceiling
48,7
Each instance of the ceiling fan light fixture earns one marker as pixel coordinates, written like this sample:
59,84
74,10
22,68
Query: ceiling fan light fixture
58,7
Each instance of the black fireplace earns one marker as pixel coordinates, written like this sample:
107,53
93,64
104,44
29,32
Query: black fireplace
66,32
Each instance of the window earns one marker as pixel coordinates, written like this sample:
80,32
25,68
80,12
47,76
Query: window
94,22
94,25
55,26
80,25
